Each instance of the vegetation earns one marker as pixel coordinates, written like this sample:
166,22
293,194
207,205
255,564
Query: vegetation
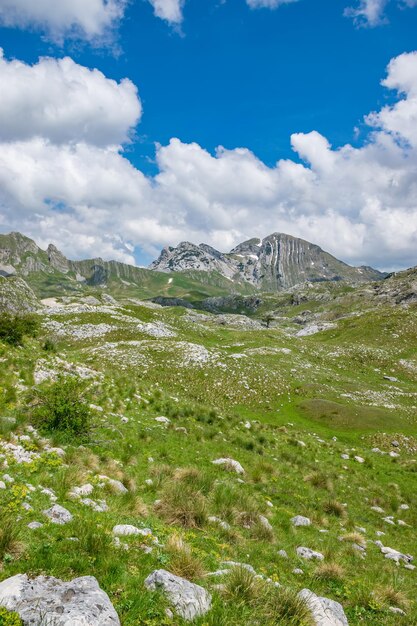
62,407
285,407
13,328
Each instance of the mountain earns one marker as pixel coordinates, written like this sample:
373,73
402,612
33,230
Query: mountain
274,263
49,273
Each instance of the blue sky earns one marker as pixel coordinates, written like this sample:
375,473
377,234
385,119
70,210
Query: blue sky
233,76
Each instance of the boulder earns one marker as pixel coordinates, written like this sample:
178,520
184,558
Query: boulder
58,515
306,553
230,464
189,600
79,602
324,612
299,520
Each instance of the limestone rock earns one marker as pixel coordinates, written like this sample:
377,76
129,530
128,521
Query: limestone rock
80,601
58,515
188,599
325,612
299,520
306,553
230,464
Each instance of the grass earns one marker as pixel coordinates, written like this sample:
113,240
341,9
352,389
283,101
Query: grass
253,403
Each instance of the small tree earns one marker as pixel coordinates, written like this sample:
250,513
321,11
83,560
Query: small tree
13,328
62,406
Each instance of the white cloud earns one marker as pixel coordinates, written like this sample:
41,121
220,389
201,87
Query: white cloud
65,102
267,4
372,12
169,10
358,203
87,19
368,12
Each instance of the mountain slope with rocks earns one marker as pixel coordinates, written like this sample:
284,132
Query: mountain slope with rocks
214,469
276,262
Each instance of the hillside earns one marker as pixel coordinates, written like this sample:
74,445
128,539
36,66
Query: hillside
49,273
255,456
274,263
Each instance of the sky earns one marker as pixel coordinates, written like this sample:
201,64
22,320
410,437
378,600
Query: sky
128,125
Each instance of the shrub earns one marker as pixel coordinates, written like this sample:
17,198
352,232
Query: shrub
61,406
13,328
9,618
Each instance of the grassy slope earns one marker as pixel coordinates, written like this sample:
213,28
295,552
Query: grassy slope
329,391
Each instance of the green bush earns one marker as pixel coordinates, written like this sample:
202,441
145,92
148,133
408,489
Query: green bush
9,618
62,406
13,328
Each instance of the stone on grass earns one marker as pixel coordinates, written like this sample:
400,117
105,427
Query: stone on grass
230,464
307,553
34,525
58,515
80,601
324,612
128,529
299,520
189,600
395,555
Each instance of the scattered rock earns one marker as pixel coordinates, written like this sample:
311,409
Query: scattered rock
325,612
58,515
299,520
128,529
189,600
230,464
80,601
307,553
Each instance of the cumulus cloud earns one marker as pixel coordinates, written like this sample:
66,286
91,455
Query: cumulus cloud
372,12
85,196
58,19
169,10
65,102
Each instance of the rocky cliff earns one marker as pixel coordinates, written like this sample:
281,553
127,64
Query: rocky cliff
276,262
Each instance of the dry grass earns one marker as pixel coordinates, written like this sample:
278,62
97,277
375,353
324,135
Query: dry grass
182,561
179,504
355,537
389,596
333,507
319,480
330,571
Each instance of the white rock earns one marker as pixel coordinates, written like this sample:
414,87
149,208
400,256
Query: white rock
34,525
80,602
128,529
2,485
265,522
396,556
325,612
116,485
307,553
359,459
84,490
58,515
299,520
231,464
162,420
189,600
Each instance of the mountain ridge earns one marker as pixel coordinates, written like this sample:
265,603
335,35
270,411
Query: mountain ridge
276,262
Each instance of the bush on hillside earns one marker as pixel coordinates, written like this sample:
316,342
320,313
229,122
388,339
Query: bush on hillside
13,328
62,406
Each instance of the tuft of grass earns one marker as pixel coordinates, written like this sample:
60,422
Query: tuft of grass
387,596
319,480
182,561
330,572
181,504
333,507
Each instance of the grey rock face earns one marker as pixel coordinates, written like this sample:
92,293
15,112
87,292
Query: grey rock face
325,612
52,602
188,599
277,262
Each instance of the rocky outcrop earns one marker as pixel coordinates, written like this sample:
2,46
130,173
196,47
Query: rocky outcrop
324,612
16,296
47,600
189,600
277,262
